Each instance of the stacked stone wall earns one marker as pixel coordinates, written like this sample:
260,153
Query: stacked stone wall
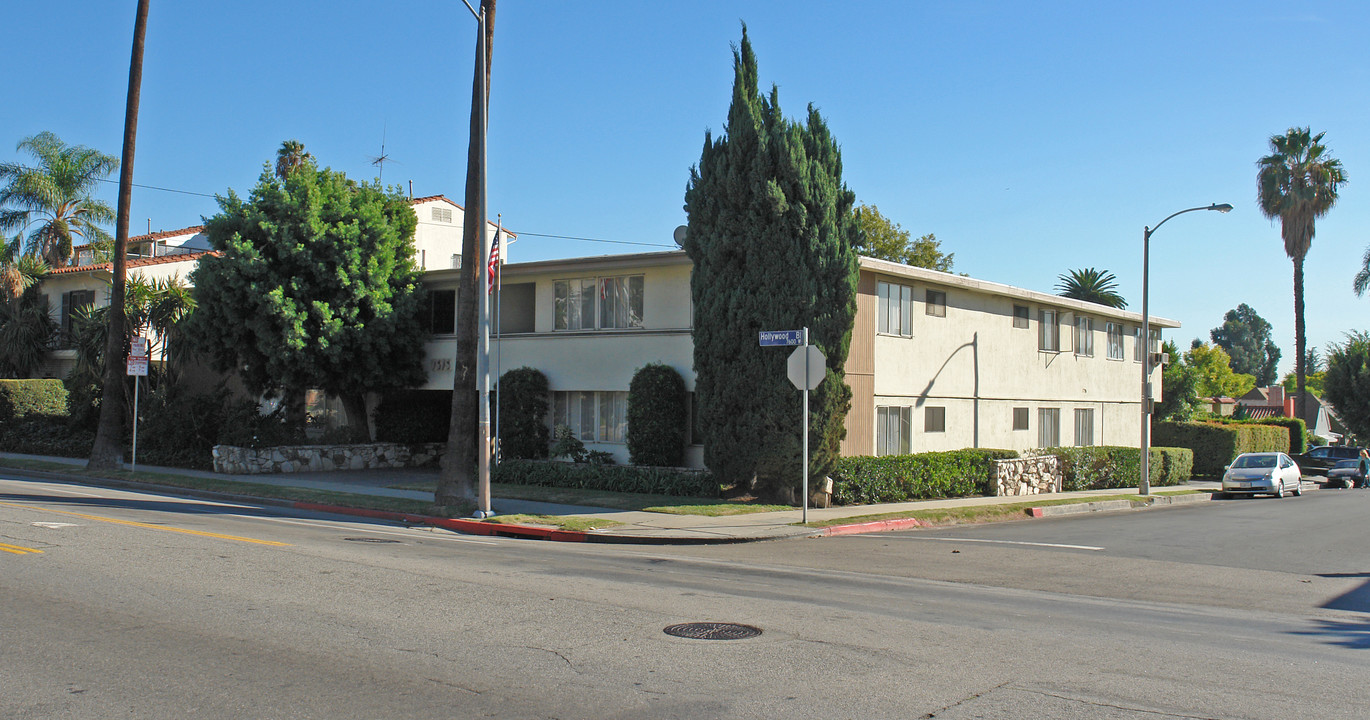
1031,475
317,458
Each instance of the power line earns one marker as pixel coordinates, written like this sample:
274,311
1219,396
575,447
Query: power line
154,187
585,239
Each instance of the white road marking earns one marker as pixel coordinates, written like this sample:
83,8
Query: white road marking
54,525
355,528
996,542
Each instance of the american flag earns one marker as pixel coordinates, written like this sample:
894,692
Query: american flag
494,263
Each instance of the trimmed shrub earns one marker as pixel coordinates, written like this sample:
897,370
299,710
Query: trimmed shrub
522,414
1298,430
900,478
1215,445
46,436
658,408
1108,466
24,399
413,416
181,429
245,426
617,478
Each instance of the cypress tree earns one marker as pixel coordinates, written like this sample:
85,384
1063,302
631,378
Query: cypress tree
772,234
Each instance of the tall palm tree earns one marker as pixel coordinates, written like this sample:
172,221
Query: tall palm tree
1297,184
55,196
1090,285
289,157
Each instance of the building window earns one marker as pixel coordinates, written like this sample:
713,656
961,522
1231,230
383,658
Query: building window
1049,333
895,309
610,303
1137,343
72,303
1021,316
893,430
440,312
1155,341
592,416
1084,427
1048,427
934,419
1115,341
1020,418
936,303
443,215
1084,336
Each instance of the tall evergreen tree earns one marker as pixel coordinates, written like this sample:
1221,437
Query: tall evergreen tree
772,234
1245,336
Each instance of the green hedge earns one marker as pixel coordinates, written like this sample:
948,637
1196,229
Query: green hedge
1102,467
413,416
617,478
658,408
900,478
1215,444
21,399
1298,430
46,436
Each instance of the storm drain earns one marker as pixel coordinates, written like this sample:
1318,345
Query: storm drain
713,631
370,540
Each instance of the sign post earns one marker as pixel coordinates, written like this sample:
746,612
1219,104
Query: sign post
137,367
805,368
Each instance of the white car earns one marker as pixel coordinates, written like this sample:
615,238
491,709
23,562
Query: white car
1263,473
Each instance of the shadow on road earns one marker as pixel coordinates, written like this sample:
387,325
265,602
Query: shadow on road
183,507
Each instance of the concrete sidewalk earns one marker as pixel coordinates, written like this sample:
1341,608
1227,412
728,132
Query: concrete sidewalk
633,527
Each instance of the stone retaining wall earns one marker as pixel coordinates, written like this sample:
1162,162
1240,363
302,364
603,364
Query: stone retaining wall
314,458
1031,475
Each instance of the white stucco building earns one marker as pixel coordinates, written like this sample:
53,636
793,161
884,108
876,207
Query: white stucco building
937,361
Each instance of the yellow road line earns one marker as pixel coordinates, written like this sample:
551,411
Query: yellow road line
166,528
19,549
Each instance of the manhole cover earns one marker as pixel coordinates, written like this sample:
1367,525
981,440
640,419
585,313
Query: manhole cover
713,631
371,540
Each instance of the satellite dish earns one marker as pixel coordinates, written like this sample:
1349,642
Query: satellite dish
679,235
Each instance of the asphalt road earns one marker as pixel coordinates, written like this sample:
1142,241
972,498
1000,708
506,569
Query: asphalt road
119,604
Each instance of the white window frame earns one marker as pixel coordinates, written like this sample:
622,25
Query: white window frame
893,430
1049,330
1048,427
599,303
593,415
1084,336
933,417
1114,332
894,309
1084,427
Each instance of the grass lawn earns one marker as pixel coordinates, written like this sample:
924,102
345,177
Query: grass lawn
670,504
988,513
561,522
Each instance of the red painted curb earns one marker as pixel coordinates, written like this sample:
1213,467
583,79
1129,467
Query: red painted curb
1037,512
470,527
873,526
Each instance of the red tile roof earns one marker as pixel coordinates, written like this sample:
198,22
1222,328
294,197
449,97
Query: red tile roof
135,263
159,235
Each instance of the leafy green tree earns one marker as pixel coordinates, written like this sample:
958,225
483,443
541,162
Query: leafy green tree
1214,369
54,198
1090,285
1179,387
522,400
884,239
773,239
26,331
1246,338
658,407
1348,382
1297,184
1314,382
315,287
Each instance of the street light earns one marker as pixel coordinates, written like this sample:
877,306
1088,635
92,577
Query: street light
1144,484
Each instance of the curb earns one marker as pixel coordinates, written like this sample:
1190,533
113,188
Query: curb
1114,505
872,527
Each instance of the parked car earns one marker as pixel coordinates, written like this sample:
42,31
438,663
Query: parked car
1264,473
1321,459
1345,474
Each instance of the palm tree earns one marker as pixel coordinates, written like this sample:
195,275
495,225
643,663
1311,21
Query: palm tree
291,157
1297,184
55,196
1090,285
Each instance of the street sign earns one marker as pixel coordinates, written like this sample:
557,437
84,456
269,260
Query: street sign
137,365
138,347
802,377
772,338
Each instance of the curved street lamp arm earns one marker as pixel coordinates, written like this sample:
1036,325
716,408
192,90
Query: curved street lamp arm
1220,208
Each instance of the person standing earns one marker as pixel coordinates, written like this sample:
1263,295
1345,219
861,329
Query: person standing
1363,469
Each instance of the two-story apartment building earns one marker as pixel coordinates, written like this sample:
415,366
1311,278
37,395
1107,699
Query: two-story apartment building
937,361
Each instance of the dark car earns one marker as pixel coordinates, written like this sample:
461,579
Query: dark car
1321,459
1345,474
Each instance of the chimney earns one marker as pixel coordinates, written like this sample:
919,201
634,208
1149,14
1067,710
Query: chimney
1289,406
1275,393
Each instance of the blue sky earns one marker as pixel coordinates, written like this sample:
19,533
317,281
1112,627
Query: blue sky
1032,138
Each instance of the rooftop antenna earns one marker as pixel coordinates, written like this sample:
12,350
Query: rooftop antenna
380,160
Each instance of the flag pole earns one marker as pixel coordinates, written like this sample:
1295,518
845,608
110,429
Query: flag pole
499,346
